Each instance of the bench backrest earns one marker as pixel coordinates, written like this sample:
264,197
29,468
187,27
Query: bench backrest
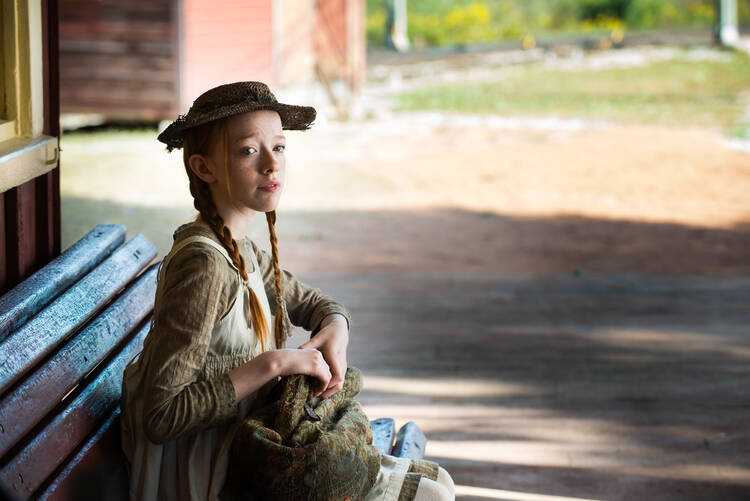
66,334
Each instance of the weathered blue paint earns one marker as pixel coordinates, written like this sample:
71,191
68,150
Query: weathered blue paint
30,401
410,442
25,347
110,479
383,431
27,298
25,472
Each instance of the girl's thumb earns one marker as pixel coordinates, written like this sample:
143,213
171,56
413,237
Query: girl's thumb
310,344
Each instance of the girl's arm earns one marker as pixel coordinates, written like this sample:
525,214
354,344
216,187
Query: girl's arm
309,308
254,373
197,290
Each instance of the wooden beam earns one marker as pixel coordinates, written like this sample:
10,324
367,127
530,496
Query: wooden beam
83,413
24,348
29,402
410,442
4,283
20,231
51,67
97,471
383,431
30,296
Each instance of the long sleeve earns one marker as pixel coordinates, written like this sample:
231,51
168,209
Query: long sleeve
307,306
197,285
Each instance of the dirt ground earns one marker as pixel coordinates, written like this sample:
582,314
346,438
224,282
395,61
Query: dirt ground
603,200
560,305
562,312
470,197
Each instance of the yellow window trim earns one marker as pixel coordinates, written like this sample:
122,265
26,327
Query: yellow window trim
23,159
7,129
22,83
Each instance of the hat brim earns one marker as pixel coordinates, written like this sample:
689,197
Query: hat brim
293,117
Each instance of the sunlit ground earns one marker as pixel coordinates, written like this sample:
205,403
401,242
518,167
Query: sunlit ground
641,173
483,493
610,387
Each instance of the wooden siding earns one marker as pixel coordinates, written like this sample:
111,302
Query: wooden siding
340,40
330,36
356,62
224,45
119,58
296,53
29,228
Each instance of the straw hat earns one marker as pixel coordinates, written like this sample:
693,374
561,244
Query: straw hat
232,99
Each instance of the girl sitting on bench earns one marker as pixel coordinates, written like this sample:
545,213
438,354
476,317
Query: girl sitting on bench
215,341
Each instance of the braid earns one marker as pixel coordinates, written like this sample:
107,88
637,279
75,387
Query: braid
278,316
196,141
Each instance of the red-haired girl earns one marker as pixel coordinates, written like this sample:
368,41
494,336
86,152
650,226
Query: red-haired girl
215,341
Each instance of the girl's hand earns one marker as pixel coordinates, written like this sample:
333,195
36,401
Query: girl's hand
332,340
302,361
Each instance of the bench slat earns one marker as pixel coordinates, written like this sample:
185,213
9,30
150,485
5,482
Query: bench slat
27,298
38,460
410,442
24,348
383,431
96,471
30,401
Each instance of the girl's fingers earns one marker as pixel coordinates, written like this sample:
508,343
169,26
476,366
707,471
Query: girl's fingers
324,380
336,382
312,343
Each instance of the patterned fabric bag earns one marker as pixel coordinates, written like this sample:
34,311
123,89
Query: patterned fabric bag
292,447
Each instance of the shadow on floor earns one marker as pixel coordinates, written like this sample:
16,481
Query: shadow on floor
562,355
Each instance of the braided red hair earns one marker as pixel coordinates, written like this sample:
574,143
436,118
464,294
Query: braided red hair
201,140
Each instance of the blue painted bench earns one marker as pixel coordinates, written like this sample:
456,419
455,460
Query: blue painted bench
66,334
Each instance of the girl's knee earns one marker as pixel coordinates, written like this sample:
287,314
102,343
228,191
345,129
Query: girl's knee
446,480
430,490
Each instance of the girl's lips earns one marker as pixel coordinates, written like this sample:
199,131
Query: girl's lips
270,186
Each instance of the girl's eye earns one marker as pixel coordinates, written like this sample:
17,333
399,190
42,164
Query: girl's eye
248,150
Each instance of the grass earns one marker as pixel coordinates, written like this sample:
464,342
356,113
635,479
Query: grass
673,92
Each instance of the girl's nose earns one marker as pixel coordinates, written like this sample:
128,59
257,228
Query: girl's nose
270,167
269,163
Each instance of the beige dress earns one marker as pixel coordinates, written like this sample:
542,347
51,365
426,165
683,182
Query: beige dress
192,466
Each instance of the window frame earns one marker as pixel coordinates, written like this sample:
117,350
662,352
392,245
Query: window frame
25,152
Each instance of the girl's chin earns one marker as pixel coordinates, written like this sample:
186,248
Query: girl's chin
266,207
263,208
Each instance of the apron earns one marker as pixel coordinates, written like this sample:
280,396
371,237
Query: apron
193,466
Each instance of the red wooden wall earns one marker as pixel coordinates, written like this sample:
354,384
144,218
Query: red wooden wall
340,39
119,58
224,45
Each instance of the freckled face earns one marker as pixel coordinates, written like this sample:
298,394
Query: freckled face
256,160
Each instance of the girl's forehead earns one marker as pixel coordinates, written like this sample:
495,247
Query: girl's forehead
255,123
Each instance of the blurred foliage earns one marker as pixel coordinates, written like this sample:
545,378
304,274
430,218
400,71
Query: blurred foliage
460,22
679,91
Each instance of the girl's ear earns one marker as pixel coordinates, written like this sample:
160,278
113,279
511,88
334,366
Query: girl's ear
199,165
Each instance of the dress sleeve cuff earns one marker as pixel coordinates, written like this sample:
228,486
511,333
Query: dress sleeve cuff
227,404
322,313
